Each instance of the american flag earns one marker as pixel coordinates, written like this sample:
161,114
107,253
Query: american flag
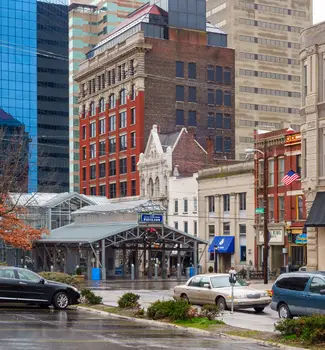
290,177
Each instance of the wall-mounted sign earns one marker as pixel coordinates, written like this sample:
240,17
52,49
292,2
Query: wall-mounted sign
259,210
151,218
275,236
293,138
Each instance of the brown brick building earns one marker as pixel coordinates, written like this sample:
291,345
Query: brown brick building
147,72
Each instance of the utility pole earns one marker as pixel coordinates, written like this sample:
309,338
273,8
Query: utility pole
266,209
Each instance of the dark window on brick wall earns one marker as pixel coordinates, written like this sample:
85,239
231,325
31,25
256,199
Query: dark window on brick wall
227,144
179,117
179,93
219,145
219,97
112,145
179,69
211,121
102,169
112,168
133,116
210,97
219,120
210,76
112,190
192,118
227,98
102,190
133,187
92,172
93,191
133,163
192,70
227,121
219,74
123,166
102,148
227,76
192,94
84,174
123,189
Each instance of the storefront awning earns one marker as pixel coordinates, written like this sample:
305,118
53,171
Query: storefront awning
223,244
316,217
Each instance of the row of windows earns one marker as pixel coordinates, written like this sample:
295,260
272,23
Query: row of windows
53,42
50,84
191,70
53,127
221,75
270,25
271,9
226,202
191,117
56,113
219,98
272,92
52,28
113,168
185,206
223,144
267,58
255,123
219,121
269,42
108,79
267,108
185,227
180,92
246,139
268,75
112,189
52,70
53,99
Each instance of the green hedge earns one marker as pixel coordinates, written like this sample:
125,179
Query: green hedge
309,329
90,297
171,309
129,301
60,277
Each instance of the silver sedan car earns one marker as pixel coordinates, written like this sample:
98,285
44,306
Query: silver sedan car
215,288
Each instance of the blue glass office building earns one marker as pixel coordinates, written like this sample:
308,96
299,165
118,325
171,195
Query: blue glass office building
18,70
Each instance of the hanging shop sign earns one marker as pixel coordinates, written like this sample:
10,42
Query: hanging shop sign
149,218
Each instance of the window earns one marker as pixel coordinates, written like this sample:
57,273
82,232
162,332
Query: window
271,209
92,129
210,97
227,76
112,190
281,208
179,69
7,274
192,94
102,190
194,204
133,163
84,174
298,162
185,206
179,93
185,226
132,95
122,120
227,98
102,126
242,229
112,103
242,242
92,108
211,121
123,143
112,145
191,118
26,275
226,203
261,172
84,153
317,284
133,188
219,120
101,105
293,283
242,201
133,116
92,172
219,97
211,206
219,74
123,166
176,224
227,144
195,228
271,172
84,132
102,169
210,73
226,228
219,144
92,150
102,148
93,190
192,70
176,206
280,170
179,117
123,189
112,123
112,168
227,122
300,208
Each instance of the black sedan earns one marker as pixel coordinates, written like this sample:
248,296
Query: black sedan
25,286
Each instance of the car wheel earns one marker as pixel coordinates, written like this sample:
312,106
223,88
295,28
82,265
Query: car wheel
258,309
221,304
60,301
284,311
185,298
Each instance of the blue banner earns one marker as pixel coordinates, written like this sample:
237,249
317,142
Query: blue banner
151,218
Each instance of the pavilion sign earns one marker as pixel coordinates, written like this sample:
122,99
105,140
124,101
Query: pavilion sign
149,218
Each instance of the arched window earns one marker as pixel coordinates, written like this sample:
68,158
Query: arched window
157,187
150,188
112,103
102,105
123,97
92,108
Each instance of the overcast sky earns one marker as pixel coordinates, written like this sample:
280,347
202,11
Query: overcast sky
319,11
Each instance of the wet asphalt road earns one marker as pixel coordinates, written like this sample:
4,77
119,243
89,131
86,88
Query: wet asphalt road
36,329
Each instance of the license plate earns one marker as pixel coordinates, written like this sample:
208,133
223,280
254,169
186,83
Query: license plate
253,296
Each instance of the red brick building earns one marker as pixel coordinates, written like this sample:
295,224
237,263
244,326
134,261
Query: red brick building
147,73
286,204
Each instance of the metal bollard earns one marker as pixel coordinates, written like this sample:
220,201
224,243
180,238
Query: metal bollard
132,272
156,272
178,271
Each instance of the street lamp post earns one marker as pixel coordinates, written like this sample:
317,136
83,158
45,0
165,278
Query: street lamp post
265,205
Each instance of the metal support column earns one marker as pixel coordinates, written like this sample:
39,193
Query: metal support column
103,260
149,263
136,263
163,262
124,261
195,256
179,266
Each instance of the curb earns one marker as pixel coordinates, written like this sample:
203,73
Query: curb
159,324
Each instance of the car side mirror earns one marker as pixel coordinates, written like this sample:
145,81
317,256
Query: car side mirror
42,281
206,285
322,292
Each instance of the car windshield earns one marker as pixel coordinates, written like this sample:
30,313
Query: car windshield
223,281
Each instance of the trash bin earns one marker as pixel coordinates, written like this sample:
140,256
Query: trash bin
95,274
192,271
